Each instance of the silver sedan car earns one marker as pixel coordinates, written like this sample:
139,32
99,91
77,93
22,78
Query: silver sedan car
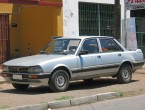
67,59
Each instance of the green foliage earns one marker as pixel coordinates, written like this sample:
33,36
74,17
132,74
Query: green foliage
64,98
120,92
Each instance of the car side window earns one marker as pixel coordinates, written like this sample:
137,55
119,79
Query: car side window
108,45
90,45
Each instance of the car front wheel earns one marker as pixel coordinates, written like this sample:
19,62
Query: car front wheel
125,74
59,81
20,86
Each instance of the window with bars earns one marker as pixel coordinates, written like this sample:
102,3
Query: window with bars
4,38
96,19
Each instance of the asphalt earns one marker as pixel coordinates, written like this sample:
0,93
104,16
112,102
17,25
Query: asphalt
70,102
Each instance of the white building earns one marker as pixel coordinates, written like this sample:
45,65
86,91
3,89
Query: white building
96,17
71,12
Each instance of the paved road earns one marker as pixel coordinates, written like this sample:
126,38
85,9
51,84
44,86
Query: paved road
129,103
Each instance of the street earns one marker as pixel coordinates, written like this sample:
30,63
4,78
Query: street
128,103
74,48
9,97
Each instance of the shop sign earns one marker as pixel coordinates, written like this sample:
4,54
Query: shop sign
134,4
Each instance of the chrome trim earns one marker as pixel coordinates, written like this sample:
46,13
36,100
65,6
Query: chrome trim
98,67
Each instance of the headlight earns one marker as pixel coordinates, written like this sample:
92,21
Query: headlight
35,69
5,68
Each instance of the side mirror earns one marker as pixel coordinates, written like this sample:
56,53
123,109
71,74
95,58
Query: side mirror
83,52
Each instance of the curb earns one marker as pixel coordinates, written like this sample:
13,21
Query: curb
83,100
71,102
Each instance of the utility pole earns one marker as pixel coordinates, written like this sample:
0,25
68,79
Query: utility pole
117,20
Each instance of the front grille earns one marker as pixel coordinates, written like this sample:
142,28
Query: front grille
18,69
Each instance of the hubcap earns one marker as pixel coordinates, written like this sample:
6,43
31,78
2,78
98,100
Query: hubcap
126,74
60,80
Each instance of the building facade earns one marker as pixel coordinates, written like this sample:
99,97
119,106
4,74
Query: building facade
96,17
28,26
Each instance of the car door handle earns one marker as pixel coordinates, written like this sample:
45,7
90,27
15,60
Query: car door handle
119,54
99,56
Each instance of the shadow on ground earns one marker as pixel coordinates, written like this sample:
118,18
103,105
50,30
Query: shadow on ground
77,85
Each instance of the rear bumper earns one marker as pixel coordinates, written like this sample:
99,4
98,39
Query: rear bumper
137,65
26,78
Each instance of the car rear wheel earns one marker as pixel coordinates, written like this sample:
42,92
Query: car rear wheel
20,86
125,74
59,81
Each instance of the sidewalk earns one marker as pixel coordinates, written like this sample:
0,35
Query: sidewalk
1,78
143,66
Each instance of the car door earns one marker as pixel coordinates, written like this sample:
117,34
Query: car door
112,55
88,63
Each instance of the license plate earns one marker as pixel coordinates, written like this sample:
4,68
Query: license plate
18,77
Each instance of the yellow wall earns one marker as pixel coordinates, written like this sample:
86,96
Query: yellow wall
9,9
35,26
5,8
59,22
14,32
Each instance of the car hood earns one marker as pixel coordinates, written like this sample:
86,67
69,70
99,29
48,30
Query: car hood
32,60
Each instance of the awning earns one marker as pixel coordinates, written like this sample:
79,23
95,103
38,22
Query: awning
32,2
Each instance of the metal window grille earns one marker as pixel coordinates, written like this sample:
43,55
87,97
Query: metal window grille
140,34
4,38
96,19
141,41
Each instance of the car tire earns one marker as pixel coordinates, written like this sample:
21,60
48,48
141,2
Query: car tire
59,81
20,86
125,74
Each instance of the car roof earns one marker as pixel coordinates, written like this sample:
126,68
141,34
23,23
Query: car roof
84,37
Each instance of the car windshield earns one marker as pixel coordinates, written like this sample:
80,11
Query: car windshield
62,46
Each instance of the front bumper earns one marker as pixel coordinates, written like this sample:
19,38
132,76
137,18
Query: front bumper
26,78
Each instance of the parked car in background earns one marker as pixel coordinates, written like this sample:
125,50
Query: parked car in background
67,59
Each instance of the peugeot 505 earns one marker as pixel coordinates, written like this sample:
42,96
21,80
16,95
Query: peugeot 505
68,59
